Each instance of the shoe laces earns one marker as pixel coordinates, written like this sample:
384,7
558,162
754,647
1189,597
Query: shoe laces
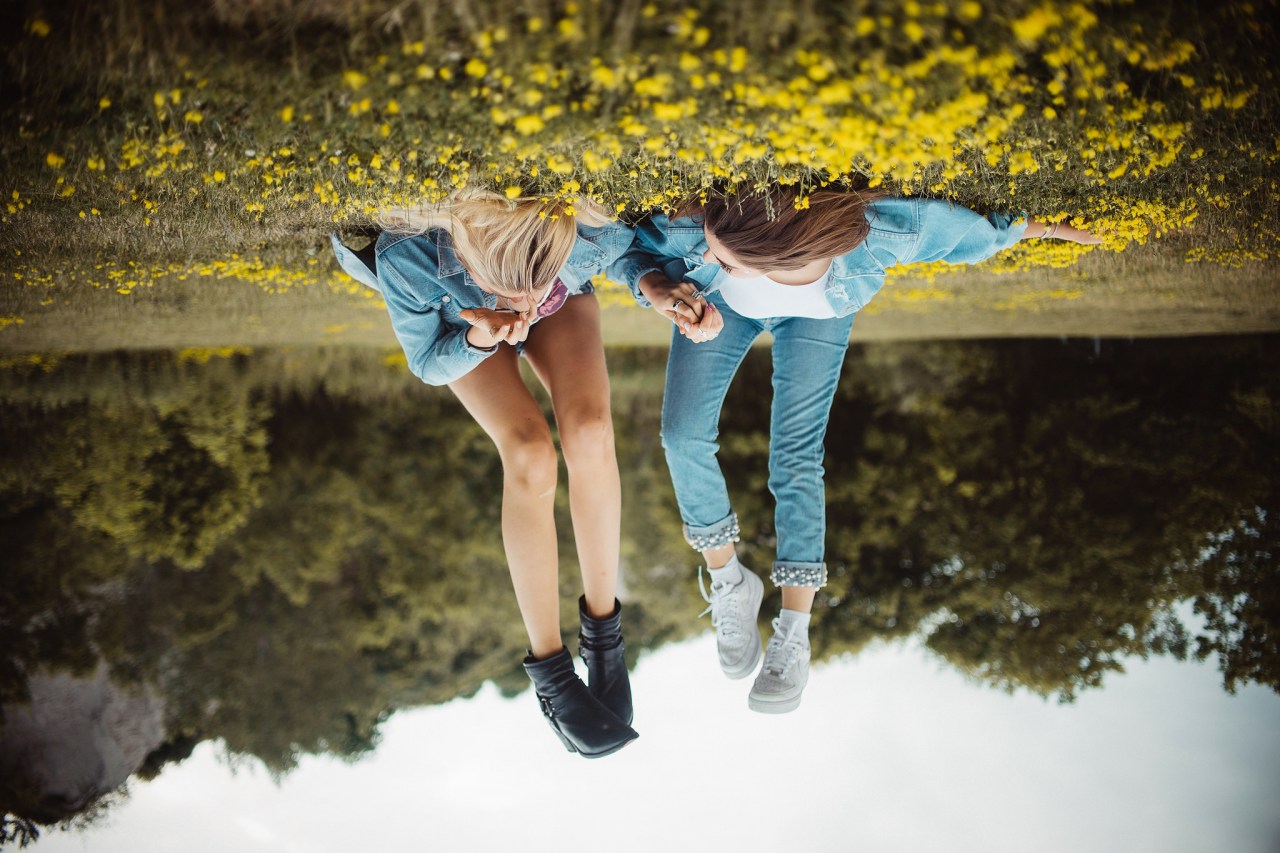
784,650
726,619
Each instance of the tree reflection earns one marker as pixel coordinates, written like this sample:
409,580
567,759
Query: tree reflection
1035,510
288,547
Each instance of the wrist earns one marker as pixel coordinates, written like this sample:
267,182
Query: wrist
478,338
652,284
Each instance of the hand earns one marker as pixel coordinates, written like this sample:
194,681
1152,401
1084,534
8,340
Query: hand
1064,231
683,304
706,329
490,326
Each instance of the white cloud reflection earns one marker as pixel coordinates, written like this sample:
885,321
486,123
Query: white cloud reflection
890,751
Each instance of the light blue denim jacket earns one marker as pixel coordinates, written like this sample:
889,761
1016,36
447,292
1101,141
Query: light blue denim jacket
426,287
903,231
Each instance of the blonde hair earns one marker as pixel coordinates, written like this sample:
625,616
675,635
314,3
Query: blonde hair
510,245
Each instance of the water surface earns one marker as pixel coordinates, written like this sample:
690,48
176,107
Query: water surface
1052,610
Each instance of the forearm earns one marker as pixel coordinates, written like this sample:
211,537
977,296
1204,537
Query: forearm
653,286
1037,230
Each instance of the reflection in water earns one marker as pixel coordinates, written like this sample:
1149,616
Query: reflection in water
281,550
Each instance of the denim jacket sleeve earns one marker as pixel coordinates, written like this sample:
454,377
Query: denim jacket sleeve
423,312
911,230
660,245
608,246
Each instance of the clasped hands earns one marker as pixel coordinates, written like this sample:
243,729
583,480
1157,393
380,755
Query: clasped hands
490,326
684,305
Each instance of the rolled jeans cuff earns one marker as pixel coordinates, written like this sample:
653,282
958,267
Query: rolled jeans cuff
789,573
721,533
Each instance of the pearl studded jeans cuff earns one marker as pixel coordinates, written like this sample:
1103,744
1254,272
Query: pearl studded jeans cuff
721,533
786,573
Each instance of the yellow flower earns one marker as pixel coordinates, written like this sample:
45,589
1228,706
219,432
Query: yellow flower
354,79
104,103
656,86
529,125
1030,28
40,27
193,117
286,114
604,76
513,192
54,160
476,67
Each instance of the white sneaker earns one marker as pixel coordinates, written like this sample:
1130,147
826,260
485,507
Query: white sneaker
734,609
784,674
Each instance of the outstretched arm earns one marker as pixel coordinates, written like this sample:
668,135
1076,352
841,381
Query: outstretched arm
1059,231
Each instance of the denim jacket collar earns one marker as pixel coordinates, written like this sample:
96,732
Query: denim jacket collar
446,256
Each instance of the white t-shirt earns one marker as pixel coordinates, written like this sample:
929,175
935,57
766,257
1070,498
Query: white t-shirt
762,297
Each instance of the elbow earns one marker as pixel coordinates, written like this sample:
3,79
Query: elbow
430,371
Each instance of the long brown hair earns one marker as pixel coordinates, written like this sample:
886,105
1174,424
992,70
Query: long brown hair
776,227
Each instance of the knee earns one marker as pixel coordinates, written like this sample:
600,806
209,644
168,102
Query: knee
529,459
685,434
587,435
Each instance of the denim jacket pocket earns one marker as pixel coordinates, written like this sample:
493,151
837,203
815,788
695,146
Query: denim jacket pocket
449,307
587,257
851,294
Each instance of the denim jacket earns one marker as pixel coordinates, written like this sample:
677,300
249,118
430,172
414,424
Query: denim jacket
426,287
903,231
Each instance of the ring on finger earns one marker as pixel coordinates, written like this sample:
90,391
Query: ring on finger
703,332
677,304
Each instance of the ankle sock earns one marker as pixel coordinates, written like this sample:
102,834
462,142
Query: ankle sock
794,620
730,573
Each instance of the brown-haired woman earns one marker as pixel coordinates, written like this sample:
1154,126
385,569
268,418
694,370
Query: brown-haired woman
770,259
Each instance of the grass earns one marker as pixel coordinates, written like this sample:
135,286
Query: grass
170,171
1142,293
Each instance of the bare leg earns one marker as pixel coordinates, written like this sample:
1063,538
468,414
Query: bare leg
798,598
567,352
719,556
498,399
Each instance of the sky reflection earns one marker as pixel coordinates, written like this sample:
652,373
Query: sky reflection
892,750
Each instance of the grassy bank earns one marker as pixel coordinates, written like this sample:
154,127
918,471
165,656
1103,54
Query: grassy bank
170,171
1139,293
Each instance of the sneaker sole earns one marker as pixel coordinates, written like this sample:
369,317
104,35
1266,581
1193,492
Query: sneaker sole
765,706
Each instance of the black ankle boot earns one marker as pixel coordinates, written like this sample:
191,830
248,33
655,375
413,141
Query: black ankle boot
600,644
581,722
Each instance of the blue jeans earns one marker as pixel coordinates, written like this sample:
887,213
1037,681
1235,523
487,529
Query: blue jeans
807,359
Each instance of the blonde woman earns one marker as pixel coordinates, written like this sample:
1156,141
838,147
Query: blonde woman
471,285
